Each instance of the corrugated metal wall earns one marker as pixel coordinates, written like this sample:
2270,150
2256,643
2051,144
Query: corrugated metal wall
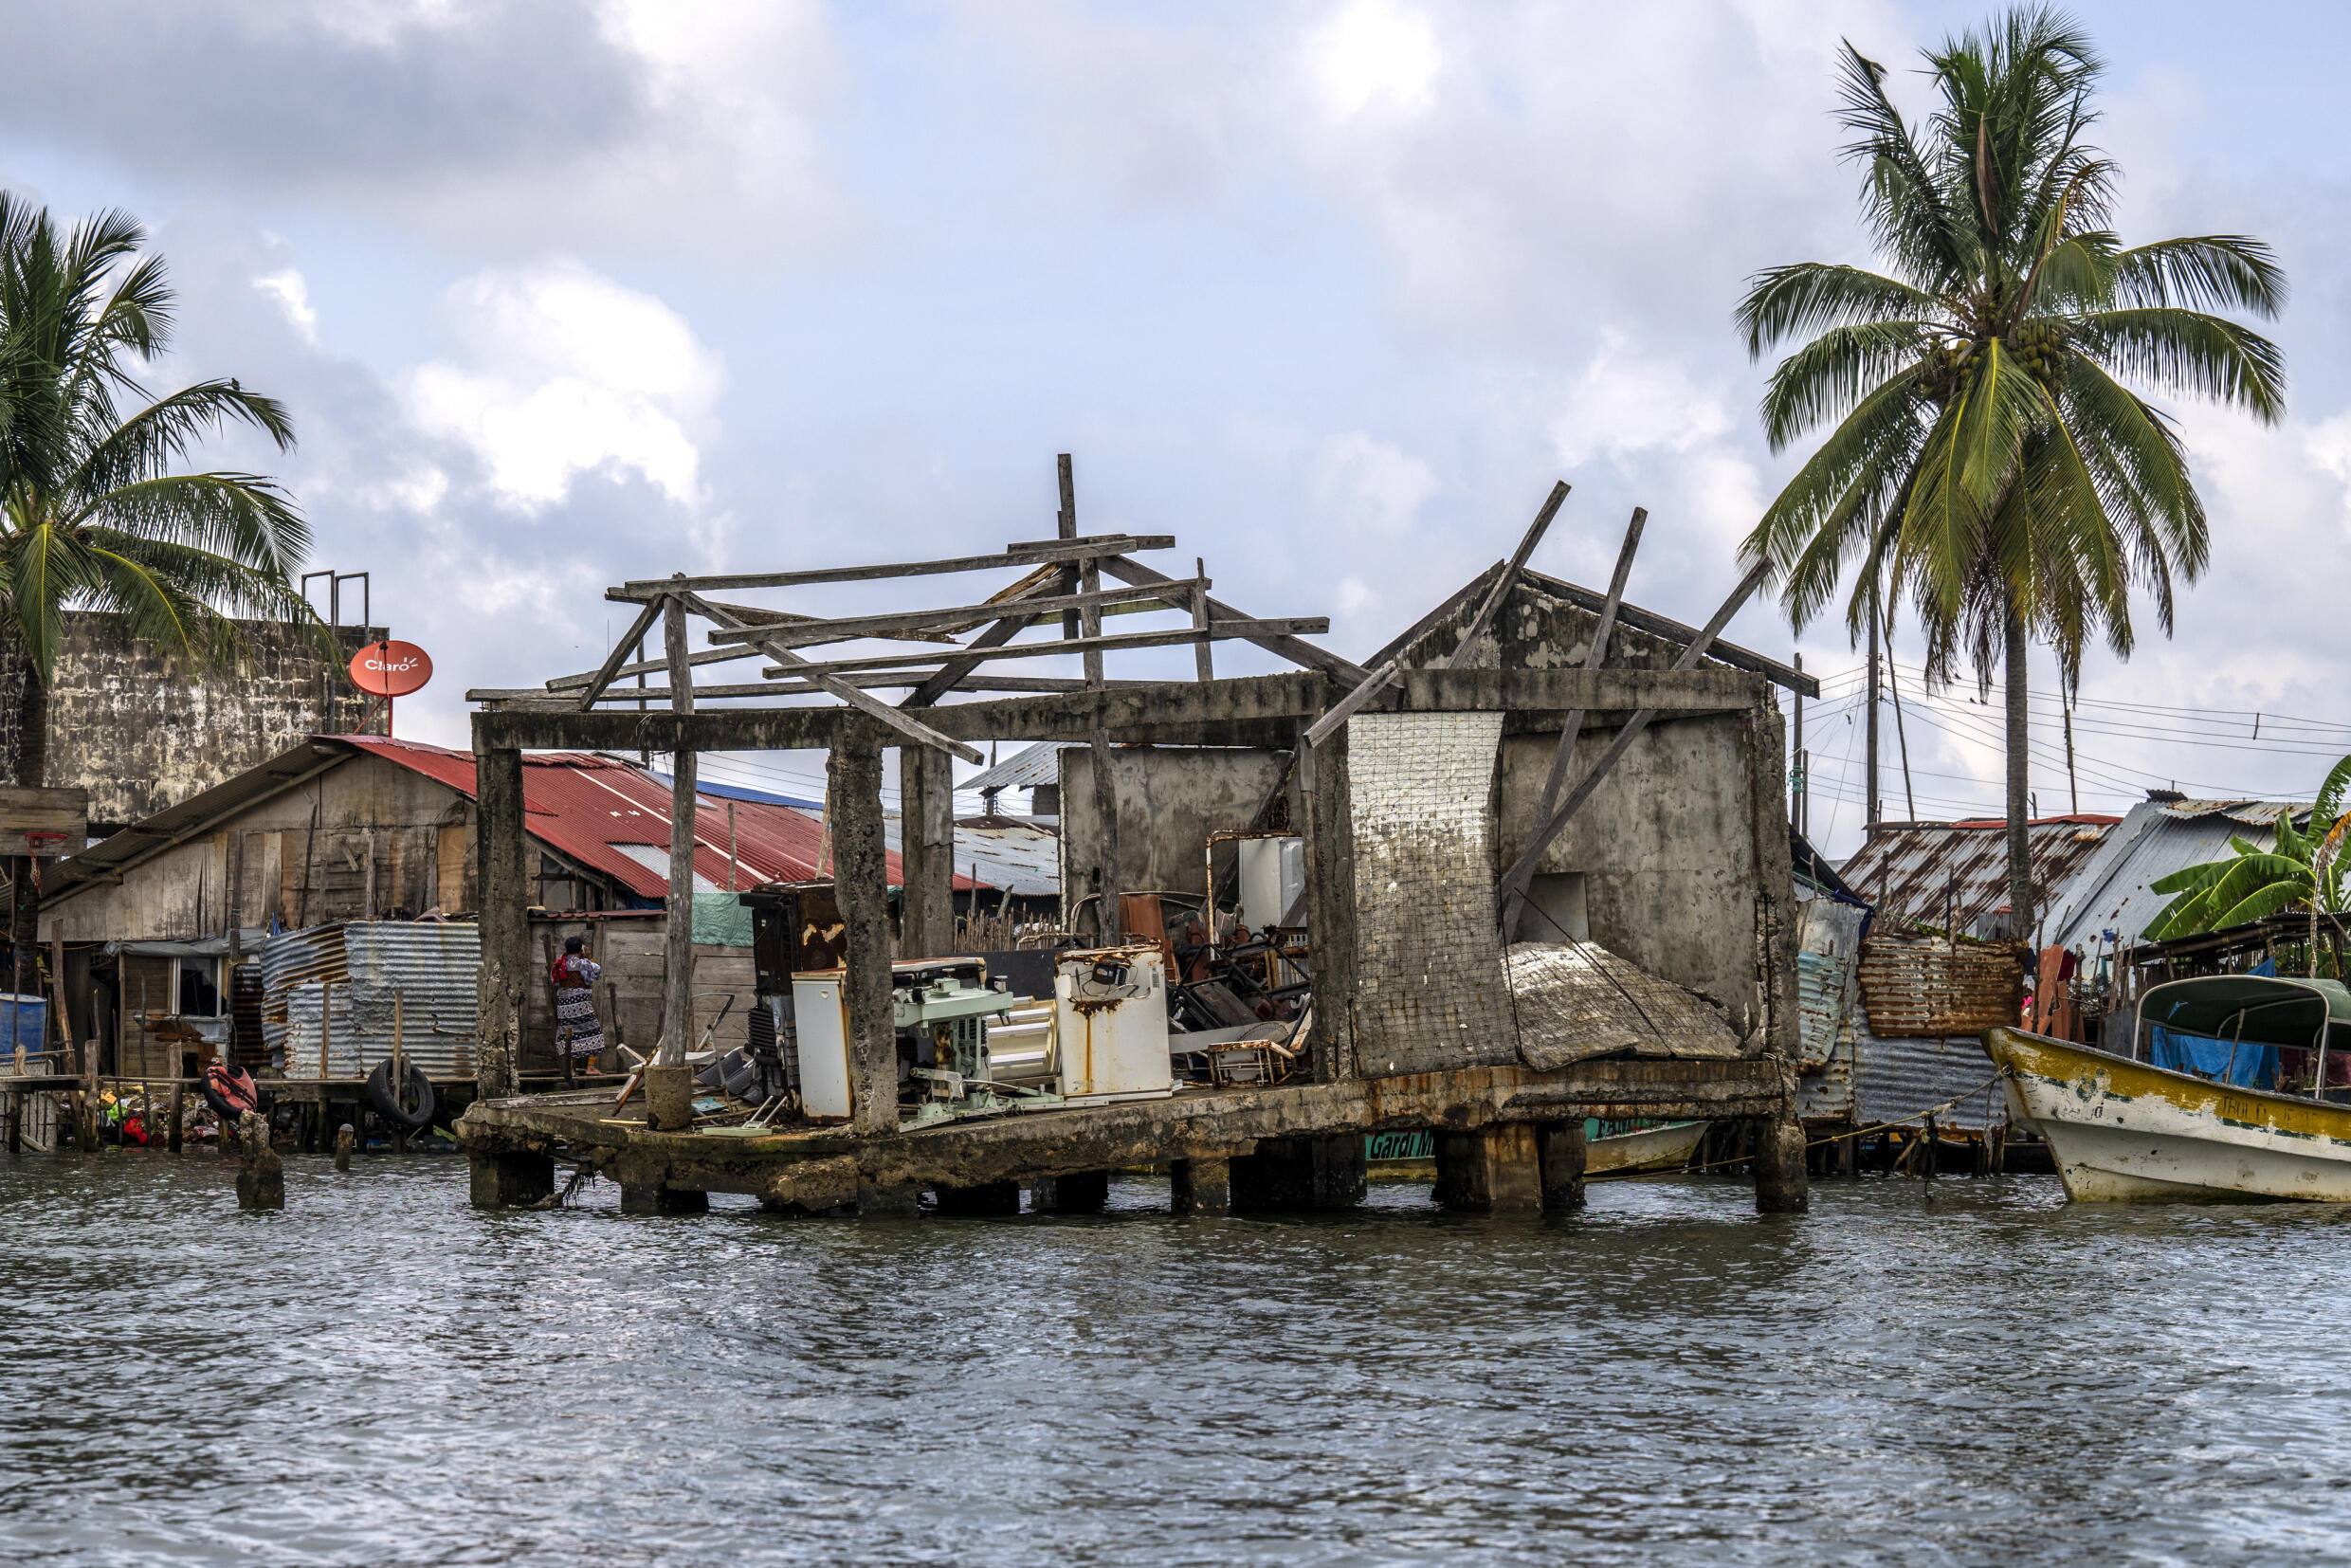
354,980
1898,1078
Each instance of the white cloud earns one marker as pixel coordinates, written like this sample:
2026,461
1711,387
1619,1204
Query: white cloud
562,371
1354,482
1630,401
292,295
1373,55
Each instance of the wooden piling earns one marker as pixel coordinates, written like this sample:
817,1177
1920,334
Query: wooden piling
15,1121
853,806
180,1112
505,926
261,1174
344,1137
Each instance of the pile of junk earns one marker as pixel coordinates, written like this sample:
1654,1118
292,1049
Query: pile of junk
1212,996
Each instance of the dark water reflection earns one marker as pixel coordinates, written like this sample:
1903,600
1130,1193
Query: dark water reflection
382,1376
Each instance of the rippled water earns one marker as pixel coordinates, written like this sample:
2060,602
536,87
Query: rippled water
381,1375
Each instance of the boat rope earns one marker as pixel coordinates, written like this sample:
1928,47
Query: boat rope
1936,1109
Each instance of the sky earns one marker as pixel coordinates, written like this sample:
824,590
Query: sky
566,291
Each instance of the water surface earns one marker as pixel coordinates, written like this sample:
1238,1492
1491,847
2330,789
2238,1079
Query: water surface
1975,1374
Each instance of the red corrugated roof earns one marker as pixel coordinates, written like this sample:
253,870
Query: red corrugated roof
584,807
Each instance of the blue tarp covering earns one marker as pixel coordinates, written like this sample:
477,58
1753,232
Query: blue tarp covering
2254,1068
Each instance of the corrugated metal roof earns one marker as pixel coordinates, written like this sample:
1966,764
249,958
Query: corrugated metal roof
1014,856
1023,770
2111,891
1906,870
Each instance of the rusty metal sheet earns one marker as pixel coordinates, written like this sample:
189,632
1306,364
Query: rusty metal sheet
1823,989
1914,871
1825,1090
1897,1077
1920,986
346,977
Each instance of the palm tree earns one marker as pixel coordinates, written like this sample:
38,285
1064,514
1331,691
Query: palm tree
1985,455
94,511
2304,870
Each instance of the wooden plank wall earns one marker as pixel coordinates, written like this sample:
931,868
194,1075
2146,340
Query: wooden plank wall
630,947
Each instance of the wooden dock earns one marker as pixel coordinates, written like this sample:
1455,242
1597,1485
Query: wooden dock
1507,1137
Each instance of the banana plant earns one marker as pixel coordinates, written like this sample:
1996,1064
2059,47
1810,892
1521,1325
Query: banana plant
2303,870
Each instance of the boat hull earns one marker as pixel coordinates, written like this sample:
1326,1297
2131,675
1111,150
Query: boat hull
2125,1132
1667,1148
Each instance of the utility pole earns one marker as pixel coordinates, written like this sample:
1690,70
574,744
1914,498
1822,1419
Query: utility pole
1871,805
2072,792
1799,807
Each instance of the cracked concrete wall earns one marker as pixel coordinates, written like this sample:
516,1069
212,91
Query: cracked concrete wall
142,731
1170,799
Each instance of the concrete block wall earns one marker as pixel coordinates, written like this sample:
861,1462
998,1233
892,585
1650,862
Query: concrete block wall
1430,991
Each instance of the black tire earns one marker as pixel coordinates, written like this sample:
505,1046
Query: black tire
384,1103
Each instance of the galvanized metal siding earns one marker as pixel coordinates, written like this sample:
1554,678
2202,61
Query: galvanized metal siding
1913,871
347,979
1898,1078
2154,841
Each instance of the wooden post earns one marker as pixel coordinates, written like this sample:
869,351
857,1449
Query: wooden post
1203,661
678,957
504,926
399,1077
16,1121
1108,920
179,1107
926,853
853,803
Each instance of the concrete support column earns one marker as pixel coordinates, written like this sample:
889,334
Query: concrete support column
1321,777
1079,1192
652,1197
505,927
677,1025
1301,1172
1561,1148
877,1200
511,1181
853,812
1201,1185
1780,1184
986,1200
1491,1169
926,851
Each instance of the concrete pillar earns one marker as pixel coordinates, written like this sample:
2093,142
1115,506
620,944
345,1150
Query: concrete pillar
1330,902
1079,1192
1300,1173
511,1180
261,1174
505,927
988,1199
853,813
654,1198
877,1200
926,851
1491,1169
677,1026
1560,1147
1201,1185
1781,1185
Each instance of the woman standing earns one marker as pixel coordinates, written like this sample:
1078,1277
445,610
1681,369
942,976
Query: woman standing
578,1034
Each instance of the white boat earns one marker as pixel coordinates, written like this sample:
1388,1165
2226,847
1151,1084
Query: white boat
2219,1100
1663,1148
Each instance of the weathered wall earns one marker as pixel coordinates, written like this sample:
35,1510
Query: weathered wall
629,995
302,856
141,731
1666,848
1430,992
1170,799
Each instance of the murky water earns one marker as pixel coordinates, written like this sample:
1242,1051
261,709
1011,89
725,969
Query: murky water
380,1376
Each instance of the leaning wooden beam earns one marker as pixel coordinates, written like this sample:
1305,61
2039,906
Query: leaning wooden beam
1514,886
912,729
808,633
1128,570
1251,630
1026,555
1522,870
532,697
1501,591
1344,709
956,673
603,677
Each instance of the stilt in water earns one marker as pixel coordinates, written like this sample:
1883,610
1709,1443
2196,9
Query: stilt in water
261,1174
344,1139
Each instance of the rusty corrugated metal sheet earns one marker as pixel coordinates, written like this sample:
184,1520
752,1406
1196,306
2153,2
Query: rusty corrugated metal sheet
2115,890
1912,872
1920,986
1824,1091
348,977
1897,1077
1820,985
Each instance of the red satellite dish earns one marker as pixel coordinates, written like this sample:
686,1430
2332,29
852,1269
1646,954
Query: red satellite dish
391,669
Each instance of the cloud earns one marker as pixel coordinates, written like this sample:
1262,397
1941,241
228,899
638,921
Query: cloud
1373,55
560,372
530,121
292,292
1354,482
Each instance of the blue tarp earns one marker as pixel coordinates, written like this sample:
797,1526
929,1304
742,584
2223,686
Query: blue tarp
2254,1067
